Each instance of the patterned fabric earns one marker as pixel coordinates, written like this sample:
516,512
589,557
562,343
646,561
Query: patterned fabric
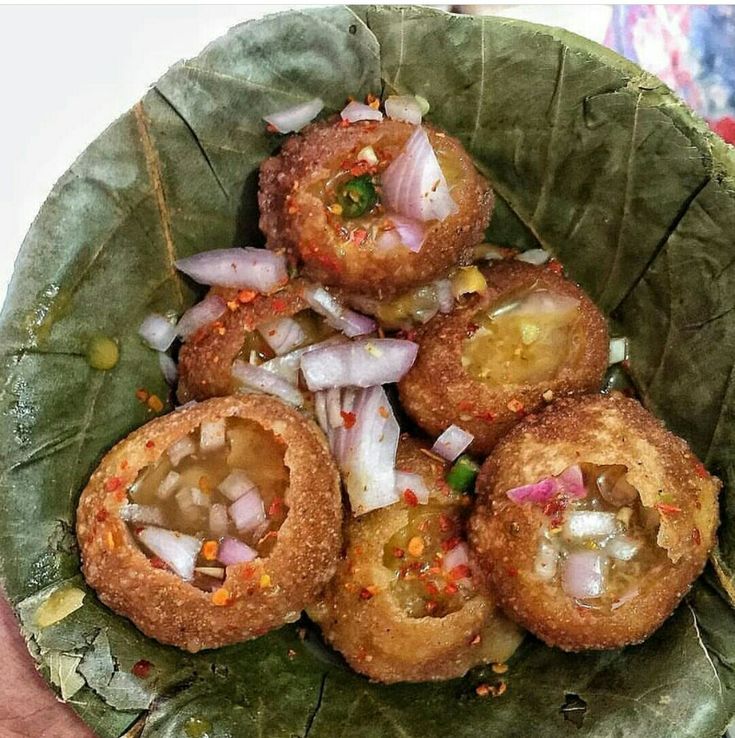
691,48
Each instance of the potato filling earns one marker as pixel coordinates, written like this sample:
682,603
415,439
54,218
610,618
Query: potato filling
524,339
429,559
216,497
597,547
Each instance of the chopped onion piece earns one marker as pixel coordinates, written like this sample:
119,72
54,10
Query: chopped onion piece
631,594
231,552
288,365
543,302
367,450
622,547
247,512
177,550
589,525
339,317
248,268
282,335
296,117
534,256
190,500
538,492
143,514
320,410
411,232
583,575
216,572
572,482
414,184
235,485
403,107
457,556
167,487
168,368
444,295
547,558
618,350
218,520
414,482
356,111
367,154
157,332
203,313
334,408
452,443
362,363
180,450
212,434
261,380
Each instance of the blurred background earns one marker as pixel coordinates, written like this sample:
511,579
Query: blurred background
69,71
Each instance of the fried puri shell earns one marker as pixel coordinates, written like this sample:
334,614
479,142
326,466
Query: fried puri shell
438,391
205,360
600,430
375,635
295,218
263,594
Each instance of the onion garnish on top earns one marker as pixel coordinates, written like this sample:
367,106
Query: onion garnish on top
452,442
295,118
414,184
356,111
363,363
248,268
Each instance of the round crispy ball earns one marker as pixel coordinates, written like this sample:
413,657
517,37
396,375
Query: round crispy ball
205,360
294,216
603,430
375,635
265,593
438,391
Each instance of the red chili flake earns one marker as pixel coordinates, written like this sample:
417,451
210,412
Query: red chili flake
112,484
667,509
515,406
462,571
360,168
150,444
157,563
450,543
124,464
700,470
696,536
245,296
431,588
554,509
553,265
101,516
511,571
367,593
343,123
142,668
142,394
399,553
472,328
248,571
383,411
275,509
409,497
486,415
409,335
348,418
445,523
451,588
466,406
482,690
359,235
270,128
279,305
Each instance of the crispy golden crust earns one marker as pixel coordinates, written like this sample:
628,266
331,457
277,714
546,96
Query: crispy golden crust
296,220
375,635
205,360
438,391
173,611
599,430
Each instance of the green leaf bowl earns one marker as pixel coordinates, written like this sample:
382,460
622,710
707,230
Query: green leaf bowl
591,157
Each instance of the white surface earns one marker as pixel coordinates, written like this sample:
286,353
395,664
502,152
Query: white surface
69,71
